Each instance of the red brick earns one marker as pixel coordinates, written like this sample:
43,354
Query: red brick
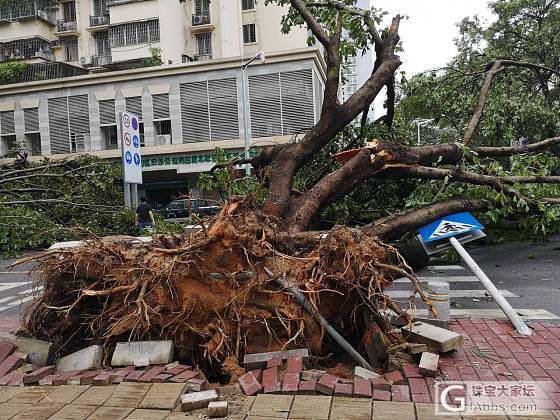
134,375
176,370
512,364
270,380
418,386
38,374
274,363
249,384
400,393
485,374
421,398
10,363
326,384
183,377
295,365
343,390
535,370
63,378
162,377
502,351
547,348
151,373
395,378
411,371
84,378
308,388
555,357
118,376
290,384
555,374
257,373
535,352
5,380
362,388
381,395
380,384
104,378
526,343
545,363
451,373
524,357
6,349
47,380
515,348
197,384
521,375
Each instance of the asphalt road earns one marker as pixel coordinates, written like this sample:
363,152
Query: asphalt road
528,270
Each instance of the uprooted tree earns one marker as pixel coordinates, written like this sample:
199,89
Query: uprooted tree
215,292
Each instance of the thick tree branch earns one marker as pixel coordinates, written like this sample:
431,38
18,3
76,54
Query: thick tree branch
519,150
312,23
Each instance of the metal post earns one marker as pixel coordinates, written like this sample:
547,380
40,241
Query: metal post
245,117
134,200
418,124
127,198
515,319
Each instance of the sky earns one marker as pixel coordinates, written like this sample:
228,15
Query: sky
427,35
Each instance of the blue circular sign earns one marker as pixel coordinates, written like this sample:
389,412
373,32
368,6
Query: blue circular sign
136,159
135,124
128,157
136,142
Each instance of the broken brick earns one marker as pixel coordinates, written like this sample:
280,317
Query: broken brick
343,390
38,374
11,362
270,380
290,384
196,385
295,365
395,378
184,377
117,376
47,380
274,363
380,384
362,388
151,373
308,387
327,384
249,384
63,378
6,349
400,393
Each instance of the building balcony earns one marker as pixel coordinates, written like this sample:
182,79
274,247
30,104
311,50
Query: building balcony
12,11
97,61
67,28
202,57
98,23
26,49
201,23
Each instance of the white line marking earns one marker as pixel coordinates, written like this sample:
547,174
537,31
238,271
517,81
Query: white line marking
32,290
14,285
444,267
15,272
449,279
6,299
16,303
526,314
403,294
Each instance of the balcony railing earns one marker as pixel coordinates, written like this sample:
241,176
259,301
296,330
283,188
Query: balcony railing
67,26
49,71
100,60
29,48
203,57
13,10
198,20
98,20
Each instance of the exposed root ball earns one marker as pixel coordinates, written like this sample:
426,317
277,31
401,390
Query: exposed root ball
209,291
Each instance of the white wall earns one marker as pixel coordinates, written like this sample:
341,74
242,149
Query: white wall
134,11
172,29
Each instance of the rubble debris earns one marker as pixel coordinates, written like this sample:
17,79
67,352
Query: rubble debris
416,348
270,380
10,363
380,384
360,372
197,384
6,349
439,338
233,389
308,387
294,365
88,358
429,364
395,378
143,353
38,351
290,383
35,376
327,384
362,388
218,409
25,368
311,375
260,360
376,345
249,384
196,400
84,378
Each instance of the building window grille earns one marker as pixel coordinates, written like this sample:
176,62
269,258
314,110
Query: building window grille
69,124
26,48
7,122
204,44
102,47
31,120
70,50
69,11
134,33
247,4
249,33
17,9
100,8
202,8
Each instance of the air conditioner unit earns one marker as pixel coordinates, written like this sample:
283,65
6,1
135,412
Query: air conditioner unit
200,19
42,14
163,140
84,61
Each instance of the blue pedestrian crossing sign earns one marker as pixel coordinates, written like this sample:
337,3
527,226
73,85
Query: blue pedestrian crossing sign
451,225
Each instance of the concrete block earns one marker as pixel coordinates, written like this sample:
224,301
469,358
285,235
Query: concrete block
196,400
38,352
233,389
155,352
88,358
416,348
163,396
360,372
197,385
218,409
439,338
26,368
429,364
38,374
259,360
311,375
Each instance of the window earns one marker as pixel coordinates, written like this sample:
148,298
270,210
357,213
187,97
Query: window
69,11
69,124
102,47
204,44
249,34
100,8
134,33
247,4
202,7
109,136
70,50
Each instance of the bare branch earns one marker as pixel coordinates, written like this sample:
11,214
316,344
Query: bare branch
519,150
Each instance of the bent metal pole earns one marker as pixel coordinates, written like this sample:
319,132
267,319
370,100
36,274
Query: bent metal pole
515,319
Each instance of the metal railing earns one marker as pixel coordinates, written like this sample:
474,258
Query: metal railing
100,60
66,26
98,20
198,20
49,71
12,10
202,57
21,49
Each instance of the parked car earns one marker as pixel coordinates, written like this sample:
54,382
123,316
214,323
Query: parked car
186,207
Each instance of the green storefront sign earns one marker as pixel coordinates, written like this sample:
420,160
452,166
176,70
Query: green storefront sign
190,159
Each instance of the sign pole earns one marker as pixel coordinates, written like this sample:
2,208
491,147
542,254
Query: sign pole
134,195
127,198
515,319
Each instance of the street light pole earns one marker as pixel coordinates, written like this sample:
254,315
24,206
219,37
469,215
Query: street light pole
421,122
245,95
